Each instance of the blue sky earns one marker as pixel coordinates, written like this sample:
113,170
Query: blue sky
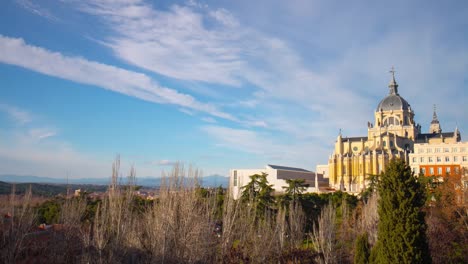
217,84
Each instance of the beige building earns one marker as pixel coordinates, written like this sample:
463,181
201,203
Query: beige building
392,135
444,157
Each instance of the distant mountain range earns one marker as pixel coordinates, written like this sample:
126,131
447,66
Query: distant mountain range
207,181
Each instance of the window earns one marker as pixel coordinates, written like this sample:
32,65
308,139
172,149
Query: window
437,150
447,170
447,159
431,171
414,160
423,170
454,149
235,178
420,150
455,158
464,158
446,150
385,143
430,159
429,150
439,171
439,159
421,159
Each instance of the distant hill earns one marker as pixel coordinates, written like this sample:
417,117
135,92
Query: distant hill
207,181
47,189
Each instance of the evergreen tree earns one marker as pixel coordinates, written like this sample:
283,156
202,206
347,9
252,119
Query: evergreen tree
259,192
362,251
295,188
401,229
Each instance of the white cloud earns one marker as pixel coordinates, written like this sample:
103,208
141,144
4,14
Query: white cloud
77,69
18,115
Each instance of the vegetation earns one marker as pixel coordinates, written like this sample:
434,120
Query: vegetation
258,193
401,229
362,250
295,188
190,224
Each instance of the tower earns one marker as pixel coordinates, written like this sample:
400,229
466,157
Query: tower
435,125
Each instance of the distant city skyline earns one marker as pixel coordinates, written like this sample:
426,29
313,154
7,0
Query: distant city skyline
216,84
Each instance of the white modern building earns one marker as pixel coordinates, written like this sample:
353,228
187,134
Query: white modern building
277,176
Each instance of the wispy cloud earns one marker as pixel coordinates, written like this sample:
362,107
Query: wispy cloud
265,145
209,119
36,9
24,152
18,115
17,52
194,43
164,162
42,133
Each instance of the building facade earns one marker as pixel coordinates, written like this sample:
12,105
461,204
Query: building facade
439,159
393,134
277,176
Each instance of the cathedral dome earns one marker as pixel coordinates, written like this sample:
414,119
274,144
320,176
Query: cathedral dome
393,101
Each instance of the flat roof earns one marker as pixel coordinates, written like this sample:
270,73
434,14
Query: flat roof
276,167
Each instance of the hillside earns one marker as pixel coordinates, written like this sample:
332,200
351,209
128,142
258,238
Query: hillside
207,181
47,190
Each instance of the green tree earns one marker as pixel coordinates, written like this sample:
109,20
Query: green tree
295,188
362,250
401,228
258,192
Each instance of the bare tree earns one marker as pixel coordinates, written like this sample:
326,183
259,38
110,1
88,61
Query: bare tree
324,235
21,219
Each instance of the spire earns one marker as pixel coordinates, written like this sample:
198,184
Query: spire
435,125
435,120
393,84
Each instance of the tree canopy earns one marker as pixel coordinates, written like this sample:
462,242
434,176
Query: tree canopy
295,188
401,229
258,191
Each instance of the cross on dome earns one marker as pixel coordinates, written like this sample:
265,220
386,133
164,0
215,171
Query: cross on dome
393,85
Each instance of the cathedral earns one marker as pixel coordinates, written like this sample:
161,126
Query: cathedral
392,135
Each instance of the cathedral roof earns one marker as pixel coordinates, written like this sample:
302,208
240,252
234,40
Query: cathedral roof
422,137
354,139
393,101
